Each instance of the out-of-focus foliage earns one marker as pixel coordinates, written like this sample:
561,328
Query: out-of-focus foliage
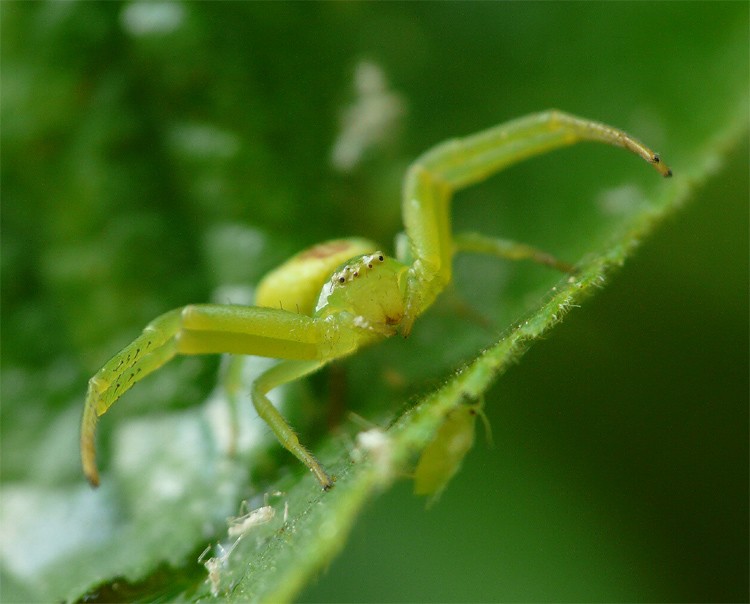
155,154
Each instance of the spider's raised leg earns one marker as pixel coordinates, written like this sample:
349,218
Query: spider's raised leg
205,329
435,176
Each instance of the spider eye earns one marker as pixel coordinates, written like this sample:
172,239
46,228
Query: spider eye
381,258
341,279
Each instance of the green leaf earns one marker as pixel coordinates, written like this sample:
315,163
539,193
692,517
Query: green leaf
166,155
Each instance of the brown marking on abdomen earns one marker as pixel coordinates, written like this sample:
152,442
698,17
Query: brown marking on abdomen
323,250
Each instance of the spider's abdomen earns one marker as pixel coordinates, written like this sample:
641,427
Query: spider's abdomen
370,289
296,284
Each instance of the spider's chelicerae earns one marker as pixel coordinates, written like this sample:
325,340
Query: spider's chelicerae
330,300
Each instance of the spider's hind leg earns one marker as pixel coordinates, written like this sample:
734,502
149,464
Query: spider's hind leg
283,373
477,243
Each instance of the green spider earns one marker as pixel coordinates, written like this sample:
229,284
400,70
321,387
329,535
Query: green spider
329,301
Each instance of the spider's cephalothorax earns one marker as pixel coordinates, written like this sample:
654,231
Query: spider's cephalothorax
332,299
370,290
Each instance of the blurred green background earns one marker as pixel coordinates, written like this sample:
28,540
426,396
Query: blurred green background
159,154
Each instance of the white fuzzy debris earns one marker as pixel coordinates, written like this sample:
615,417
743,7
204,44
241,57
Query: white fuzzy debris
152,18
241,525
620,201
369,120
376,445
214,566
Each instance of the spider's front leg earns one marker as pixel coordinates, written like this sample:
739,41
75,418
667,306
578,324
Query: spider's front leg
149,351
211,329
435,176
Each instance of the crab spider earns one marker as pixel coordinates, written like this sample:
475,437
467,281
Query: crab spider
330,300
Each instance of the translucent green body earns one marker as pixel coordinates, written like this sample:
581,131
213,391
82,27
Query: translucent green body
330,300
442,458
